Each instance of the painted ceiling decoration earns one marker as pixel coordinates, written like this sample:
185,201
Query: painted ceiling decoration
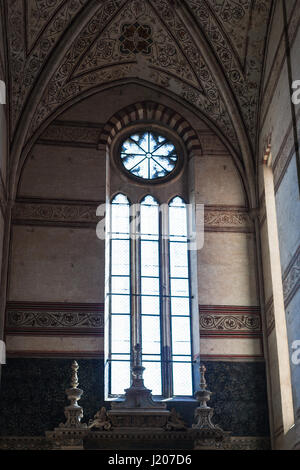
34,29
175,65
137,39
236,31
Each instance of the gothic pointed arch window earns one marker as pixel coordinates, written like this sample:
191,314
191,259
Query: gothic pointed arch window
151,298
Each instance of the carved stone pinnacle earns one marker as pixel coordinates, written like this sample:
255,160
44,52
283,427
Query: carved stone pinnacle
74,412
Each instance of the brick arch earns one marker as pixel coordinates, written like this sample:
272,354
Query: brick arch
150,112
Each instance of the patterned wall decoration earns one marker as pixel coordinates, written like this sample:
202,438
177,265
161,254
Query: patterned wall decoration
40,212
290,284
136,38
228,26
71,214
25,317
102,60
291,278
235,31
229,219
229,321
239,397
34,30
72,134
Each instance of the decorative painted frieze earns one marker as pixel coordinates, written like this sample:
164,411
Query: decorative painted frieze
34,316
71,134
56,213
227,219
229,320
216,219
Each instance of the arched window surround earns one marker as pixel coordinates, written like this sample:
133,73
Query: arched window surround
179,185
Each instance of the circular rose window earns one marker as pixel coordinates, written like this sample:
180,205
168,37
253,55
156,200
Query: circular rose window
148,155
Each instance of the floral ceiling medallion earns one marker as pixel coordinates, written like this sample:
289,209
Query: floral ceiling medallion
136,38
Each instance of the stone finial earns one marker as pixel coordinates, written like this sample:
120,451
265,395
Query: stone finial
74,379
203,384
203,413
137,371
203,395
74,412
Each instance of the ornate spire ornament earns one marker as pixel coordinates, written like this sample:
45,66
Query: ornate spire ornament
70,435
208,435
74,412
203,413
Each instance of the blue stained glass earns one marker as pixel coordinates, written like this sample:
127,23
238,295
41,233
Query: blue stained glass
148,155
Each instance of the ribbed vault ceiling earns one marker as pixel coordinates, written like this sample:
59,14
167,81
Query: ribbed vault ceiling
59,50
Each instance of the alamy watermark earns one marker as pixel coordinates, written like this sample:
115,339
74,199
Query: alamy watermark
194,212
296,353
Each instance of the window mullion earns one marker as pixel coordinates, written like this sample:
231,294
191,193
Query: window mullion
135,275
165,303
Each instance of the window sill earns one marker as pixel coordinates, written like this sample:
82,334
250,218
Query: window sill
180,399
159,400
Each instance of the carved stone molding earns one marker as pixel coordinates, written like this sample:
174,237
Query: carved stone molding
22,317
